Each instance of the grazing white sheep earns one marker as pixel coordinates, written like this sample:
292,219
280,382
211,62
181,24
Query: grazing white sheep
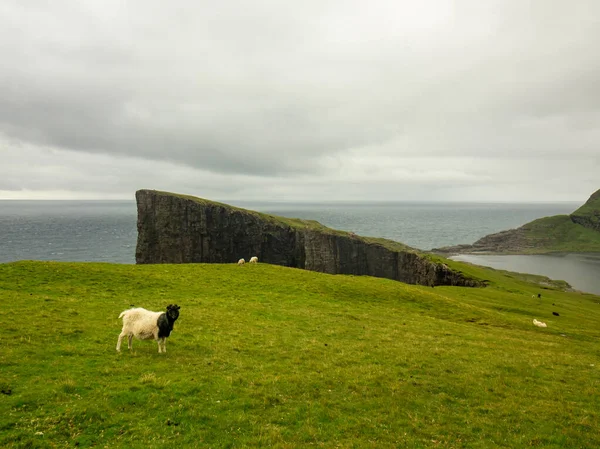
539,323
241,262
254,259
145,325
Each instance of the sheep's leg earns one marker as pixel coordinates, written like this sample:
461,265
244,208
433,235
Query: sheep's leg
121,335
162,345
129,341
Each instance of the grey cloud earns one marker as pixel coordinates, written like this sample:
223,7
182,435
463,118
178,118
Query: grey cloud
274,89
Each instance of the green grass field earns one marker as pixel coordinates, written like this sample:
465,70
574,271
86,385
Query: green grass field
267,356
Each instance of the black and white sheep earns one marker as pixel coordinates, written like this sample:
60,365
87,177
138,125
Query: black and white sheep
145,325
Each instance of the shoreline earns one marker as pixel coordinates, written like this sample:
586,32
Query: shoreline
577,269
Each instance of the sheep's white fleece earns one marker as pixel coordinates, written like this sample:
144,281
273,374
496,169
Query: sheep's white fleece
140,323
254,259
539,323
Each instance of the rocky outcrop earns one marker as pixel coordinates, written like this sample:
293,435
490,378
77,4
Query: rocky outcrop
183,229
513,240
578,232
588,215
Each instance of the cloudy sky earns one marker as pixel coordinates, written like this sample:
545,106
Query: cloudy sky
435,100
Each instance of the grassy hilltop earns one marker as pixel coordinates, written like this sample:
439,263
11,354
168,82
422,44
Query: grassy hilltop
267,356
578,232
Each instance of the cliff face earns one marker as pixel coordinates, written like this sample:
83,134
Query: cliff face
588,215
182,229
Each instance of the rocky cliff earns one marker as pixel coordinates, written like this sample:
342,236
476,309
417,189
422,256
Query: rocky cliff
588,215
183,229
577,232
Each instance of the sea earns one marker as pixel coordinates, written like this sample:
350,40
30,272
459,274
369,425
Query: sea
106,231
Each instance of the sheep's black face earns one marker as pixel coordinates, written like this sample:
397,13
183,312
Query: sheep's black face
173,311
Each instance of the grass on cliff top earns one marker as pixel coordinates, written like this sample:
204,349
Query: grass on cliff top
297,223
555,234
591,208
559,234
267,356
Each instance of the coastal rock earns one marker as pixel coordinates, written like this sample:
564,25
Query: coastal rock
183,229
578,232
513,240
588,215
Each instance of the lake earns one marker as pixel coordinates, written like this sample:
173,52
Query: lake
582,271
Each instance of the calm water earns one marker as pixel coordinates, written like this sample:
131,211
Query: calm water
582,271
105,231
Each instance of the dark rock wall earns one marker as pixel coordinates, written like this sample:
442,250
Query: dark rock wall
588,215
590,221
179,229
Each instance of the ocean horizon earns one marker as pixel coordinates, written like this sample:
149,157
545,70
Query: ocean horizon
106,230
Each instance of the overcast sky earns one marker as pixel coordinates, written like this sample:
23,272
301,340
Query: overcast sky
432,100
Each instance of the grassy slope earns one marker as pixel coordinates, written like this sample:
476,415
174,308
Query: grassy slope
591,208
553,234
560,234
267,356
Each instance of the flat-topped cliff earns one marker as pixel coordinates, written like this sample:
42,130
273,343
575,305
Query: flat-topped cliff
176,228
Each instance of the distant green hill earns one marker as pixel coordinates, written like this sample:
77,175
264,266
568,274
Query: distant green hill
575,233
588,215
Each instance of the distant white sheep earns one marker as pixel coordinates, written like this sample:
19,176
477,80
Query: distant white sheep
145,325
254,259
241,262
539,323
